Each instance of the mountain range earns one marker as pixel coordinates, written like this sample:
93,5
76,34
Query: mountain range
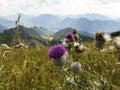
7,23
30,35
90,16
88,22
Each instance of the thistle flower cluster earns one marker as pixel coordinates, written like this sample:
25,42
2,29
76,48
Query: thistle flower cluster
59,55
59,52
71,37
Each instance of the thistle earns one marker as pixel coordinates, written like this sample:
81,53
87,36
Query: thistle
99,40
70,37
59,54
76,67
76,35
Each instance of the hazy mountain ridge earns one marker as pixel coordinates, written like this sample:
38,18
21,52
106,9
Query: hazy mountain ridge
2,28
46,20
87,22
29,35
95,17
96,25
7,23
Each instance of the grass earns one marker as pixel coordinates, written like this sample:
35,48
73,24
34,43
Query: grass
31,69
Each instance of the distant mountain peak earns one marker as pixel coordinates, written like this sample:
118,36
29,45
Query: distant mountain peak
95,16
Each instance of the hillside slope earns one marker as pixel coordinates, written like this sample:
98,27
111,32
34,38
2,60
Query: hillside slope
61,34
26,34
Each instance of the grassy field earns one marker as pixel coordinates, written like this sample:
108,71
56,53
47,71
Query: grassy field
31,69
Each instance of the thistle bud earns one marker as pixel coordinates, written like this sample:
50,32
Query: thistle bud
76,67
99,40
75,34
70,37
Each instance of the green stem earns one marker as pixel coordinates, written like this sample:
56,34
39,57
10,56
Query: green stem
65,80
64,74
99,52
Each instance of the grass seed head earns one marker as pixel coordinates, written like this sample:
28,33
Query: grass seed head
4,47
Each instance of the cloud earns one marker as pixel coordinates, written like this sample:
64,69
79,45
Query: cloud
60,7
108,1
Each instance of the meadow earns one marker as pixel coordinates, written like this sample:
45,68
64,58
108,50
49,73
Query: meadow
71,65
32,69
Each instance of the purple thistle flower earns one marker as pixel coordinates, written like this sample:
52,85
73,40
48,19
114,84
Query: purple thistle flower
69,36
56,51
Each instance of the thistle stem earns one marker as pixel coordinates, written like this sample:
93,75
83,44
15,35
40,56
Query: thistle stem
99,52
65,80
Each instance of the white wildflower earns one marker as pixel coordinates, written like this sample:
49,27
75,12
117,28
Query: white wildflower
107,37
76,44
82,47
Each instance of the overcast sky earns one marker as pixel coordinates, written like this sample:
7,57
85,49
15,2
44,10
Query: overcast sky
109,8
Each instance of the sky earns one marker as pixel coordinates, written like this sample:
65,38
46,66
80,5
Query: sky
109,8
